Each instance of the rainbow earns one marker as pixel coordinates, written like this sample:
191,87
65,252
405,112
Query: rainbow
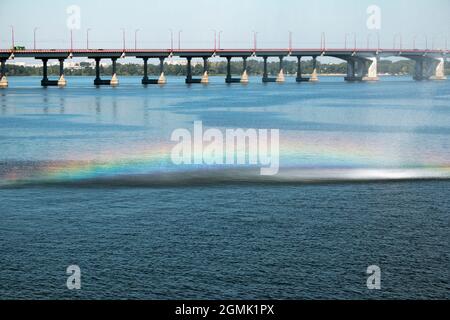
146,159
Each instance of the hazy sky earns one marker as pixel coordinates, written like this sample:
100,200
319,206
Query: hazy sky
236,18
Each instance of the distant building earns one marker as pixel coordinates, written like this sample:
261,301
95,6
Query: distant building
73,65
173,62
19,64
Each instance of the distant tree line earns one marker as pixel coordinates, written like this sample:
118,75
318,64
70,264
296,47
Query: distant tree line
402,67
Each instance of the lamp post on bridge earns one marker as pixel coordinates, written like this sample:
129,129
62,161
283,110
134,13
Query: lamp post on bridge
435,40
135,38
12,37
398,35
378,41
123,39
179,39
219,44
87,38
255,40
215,40
323,41
425,38
369,38
171,40
443,43
34,37
346,38
71,40
290,41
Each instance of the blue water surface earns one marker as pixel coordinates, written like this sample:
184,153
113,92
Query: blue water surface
226,240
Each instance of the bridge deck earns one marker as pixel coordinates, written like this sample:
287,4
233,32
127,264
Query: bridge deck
155,53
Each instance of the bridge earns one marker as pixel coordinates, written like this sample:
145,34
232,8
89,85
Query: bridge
362,64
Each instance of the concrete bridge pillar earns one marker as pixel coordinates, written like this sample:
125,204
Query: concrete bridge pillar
3,79
98,80
114,79
372,71
355,70
44,80
429,69
359,69
61,81
266,77
350,70
205,78
229,77
145,78
418,70
189,70
314,76
244,77
280,77
265,73
300,77
162,78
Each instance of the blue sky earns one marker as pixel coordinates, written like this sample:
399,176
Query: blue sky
236,18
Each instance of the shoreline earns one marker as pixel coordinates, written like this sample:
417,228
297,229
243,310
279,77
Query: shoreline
211,75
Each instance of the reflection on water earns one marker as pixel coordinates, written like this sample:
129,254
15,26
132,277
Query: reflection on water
3,103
